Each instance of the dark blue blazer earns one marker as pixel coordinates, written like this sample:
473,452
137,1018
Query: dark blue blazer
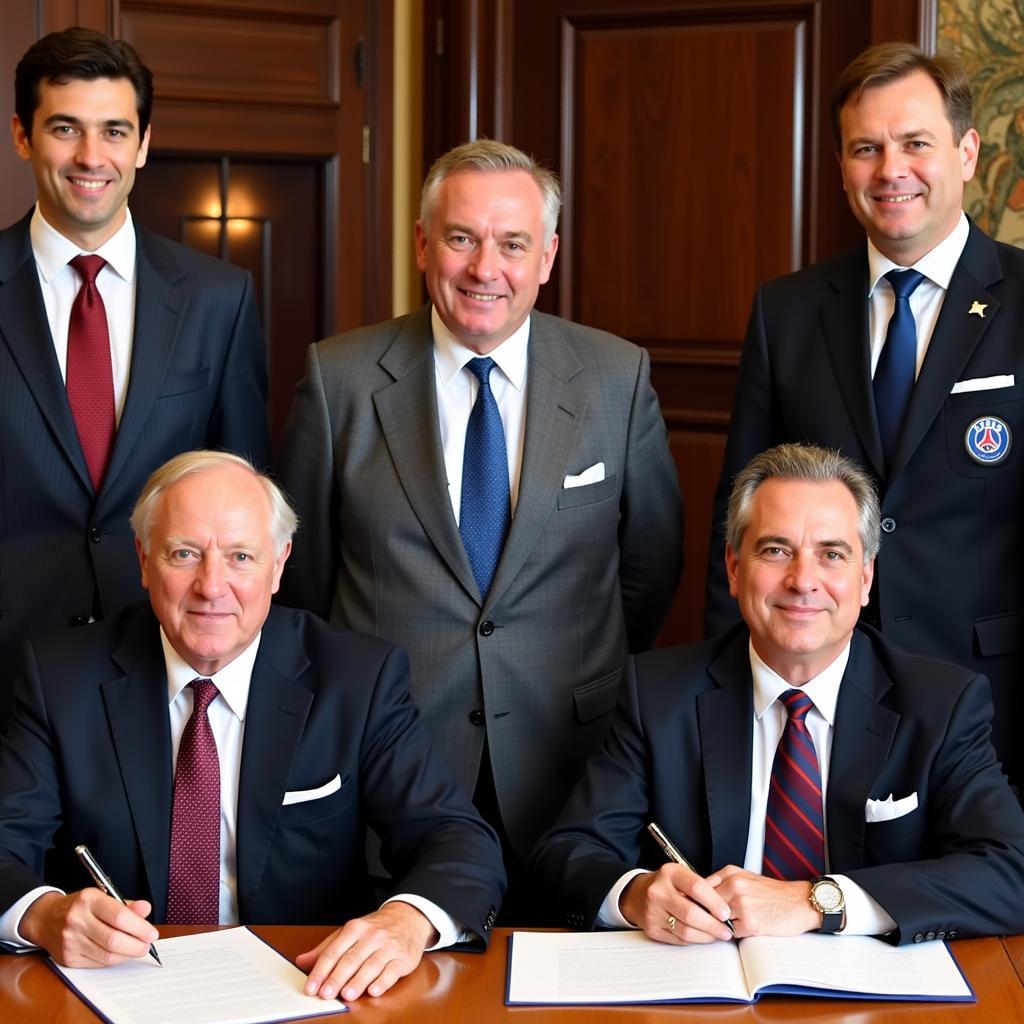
87,759
197,380
679,753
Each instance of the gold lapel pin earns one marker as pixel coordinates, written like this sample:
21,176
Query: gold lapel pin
978,309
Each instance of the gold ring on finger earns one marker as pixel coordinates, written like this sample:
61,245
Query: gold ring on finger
672,922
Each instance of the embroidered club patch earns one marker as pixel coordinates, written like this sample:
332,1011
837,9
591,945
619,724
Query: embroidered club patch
988,440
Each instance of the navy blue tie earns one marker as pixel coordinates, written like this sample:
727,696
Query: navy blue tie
895,372
486,506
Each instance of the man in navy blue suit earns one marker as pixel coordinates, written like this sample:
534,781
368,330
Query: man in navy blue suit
186,366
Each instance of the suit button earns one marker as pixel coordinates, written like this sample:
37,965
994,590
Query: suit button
78,620
476,716
940,935
930,936
95,535
919,937
888,524
486,628
952,934
489,920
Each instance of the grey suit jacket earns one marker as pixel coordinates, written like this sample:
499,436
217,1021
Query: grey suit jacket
586,574
197,379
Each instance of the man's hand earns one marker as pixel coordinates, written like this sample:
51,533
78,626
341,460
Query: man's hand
369,954
765,906
652,900
88,928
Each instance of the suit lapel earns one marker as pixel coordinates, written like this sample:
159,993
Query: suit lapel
554,417
407,411
160,309
24,326
862,738
274,720
725,721
844,316
953,341
136,705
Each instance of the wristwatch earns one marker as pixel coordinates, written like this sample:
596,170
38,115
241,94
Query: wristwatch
827,898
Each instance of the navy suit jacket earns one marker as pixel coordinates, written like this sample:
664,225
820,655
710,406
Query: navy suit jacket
949,581
680,754
87,759
197,380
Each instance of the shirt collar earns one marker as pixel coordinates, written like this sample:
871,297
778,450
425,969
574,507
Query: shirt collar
937,265
450,356
823,689
53,251
232,681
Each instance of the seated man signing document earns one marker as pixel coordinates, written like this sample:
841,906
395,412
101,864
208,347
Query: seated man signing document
222,759
815,776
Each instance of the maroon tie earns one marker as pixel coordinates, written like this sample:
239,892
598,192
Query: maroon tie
193,888
90,378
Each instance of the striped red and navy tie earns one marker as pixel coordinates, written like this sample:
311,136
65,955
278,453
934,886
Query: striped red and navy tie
794,835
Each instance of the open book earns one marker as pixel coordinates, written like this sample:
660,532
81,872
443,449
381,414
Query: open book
627,967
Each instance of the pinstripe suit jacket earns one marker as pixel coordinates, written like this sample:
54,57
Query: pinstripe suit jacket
197,379
586,574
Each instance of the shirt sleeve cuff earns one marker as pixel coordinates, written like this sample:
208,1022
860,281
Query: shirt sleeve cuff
864,916
448,929
609,916
10,919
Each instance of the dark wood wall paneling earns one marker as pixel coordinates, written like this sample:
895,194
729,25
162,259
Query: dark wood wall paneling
697,162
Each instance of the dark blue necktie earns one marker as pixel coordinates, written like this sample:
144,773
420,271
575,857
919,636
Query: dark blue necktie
485,510
894,374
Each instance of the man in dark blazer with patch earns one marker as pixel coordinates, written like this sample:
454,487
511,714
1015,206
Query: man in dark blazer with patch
816,776
516,651
949,457
184,365
313,735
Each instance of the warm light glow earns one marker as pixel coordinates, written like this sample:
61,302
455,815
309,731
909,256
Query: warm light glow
240,226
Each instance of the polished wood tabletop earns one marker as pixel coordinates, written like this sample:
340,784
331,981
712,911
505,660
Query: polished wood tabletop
469,988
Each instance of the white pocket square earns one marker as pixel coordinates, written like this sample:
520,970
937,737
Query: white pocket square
1001,380
593,475
889,809
301,796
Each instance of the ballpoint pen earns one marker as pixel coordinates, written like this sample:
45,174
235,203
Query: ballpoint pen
673,854
102,879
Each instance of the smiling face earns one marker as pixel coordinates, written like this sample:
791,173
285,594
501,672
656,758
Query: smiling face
484,255
84,151
210,566
799,576
903,170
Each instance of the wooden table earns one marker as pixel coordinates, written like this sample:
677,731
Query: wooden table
467,988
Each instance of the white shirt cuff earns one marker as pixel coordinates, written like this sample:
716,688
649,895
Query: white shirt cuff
609,916
864,916
448,929
10,919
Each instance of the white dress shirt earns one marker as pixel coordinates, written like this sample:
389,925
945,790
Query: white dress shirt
226,714
925,302
457,389
864,916
60,284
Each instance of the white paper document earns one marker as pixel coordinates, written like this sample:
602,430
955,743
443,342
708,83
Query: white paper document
222,977
547,968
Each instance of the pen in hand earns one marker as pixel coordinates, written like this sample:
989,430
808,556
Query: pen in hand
102,880
674,855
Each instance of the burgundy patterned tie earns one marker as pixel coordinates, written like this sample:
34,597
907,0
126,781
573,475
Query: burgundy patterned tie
193,888
90,378
794,834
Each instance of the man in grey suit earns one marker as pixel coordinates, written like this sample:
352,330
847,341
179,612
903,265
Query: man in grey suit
517,580
180,363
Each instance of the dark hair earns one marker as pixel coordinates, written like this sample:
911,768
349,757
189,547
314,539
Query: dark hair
80,53
889,62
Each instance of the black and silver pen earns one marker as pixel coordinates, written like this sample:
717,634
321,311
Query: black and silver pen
673,854
102,879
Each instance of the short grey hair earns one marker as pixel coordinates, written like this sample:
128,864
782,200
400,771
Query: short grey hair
284,521
811,464
489,155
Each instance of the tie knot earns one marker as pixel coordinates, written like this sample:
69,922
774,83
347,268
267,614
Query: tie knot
205,693
481,368
797,704
88,267
904,282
